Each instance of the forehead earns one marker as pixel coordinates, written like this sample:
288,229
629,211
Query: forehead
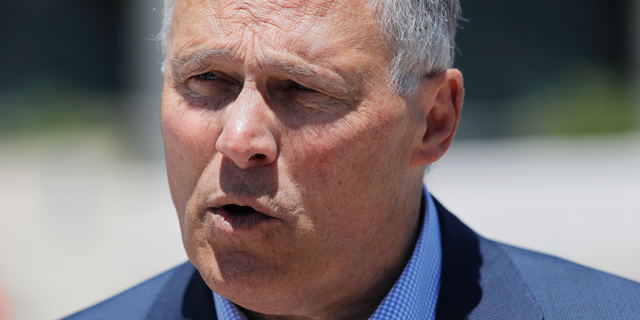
283,13
306,26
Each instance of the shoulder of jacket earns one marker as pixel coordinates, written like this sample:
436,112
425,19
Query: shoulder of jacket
133,303
567,290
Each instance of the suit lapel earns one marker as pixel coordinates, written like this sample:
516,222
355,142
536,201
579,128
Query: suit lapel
478,279
185,297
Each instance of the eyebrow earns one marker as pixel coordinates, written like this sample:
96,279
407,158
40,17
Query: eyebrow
200,58
291,68
336,83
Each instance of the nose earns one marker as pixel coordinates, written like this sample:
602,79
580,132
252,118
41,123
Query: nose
247,136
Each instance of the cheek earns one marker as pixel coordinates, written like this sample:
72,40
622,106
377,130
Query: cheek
189,128
352,147
349,163
346,179
189,138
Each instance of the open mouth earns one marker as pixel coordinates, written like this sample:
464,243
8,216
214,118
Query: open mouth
237,210
232,217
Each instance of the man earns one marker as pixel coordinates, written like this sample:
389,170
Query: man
297,134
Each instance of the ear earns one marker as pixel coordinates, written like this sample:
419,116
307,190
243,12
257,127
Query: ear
439,100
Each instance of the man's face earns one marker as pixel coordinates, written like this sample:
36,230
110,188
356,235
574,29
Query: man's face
288,154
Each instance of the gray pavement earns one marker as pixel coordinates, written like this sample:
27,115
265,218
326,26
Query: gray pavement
79,222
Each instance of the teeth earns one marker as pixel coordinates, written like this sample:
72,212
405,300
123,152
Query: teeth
237,210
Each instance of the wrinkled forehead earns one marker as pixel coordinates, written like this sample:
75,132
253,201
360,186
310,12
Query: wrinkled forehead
336,34
282,13
288,16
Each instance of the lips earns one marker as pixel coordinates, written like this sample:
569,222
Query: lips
233,218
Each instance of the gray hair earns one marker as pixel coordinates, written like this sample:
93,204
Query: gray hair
420,35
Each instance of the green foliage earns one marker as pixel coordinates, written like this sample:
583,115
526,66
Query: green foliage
582,100
46,107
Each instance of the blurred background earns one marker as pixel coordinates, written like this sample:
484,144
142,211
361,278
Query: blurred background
546,157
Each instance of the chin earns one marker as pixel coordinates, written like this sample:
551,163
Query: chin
249,281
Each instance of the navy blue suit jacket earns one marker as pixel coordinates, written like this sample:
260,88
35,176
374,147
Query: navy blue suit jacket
481,279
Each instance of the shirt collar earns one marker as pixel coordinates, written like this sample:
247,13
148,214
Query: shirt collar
414,295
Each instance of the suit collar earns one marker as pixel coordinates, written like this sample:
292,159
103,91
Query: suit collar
478,279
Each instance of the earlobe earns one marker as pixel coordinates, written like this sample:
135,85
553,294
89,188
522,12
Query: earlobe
439,99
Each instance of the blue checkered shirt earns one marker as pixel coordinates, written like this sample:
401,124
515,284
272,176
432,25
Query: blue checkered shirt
413,296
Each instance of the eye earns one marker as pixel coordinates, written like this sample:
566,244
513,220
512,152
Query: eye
209,76
210,84
298,86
